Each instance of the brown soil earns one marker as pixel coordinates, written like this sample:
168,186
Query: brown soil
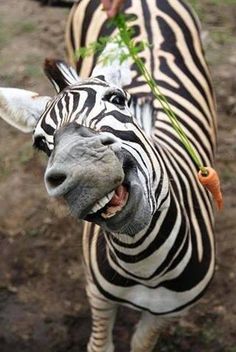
43,306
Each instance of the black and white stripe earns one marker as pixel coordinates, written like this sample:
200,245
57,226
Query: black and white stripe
167,266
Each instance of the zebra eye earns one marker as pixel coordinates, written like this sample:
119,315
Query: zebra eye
116,98
41,144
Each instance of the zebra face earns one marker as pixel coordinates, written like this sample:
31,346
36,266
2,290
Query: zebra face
98,157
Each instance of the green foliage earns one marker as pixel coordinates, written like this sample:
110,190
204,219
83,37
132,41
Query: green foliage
99,46
93,48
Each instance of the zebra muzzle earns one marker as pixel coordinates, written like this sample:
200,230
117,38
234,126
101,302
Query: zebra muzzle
85,170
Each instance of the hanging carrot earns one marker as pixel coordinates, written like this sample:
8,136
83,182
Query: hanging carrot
210,179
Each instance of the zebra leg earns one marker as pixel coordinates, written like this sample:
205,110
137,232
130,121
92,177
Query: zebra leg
147,333
103,318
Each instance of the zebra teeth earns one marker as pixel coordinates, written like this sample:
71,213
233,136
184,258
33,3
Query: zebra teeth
113,210
102,202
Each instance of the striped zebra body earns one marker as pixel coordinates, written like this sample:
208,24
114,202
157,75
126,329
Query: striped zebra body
116,159
174,258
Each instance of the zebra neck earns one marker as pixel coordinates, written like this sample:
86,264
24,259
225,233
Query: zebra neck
161,242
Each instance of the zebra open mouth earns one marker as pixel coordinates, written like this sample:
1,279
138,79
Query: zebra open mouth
112,203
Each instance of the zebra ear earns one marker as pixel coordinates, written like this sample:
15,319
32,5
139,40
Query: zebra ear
60,74
21,108
111,68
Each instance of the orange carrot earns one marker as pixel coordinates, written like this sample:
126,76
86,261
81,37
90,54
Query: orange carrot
210,179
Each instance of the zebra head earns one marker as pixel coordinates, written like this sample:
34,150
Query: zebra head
100,160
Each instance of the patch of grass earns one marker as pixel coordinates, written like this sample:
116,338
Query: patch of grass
221,36
203,335
208,335
227,174
25,154
180,338
22,27
218,26
226,2
8,78
10,29
11,162
232,349
4,34
200,7
33,232
26,27
33,70
4,169
33,66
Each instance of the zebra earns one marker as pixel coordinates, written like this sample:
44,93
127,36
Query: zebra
148,236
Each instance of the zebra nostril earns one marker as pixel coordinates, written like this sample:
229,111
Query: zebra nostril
55,180
108,140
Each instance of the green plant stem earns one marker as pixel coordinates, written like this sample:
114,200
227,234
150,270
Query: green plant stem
129,43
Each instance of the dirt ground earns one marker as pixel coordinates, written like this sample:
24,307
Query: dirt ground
43,306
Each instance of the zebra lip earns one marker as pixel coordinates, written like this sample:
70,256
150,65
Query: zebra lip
115,205
117,202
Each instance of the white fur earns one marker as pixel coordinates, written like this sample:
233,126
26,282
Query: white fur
21,108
